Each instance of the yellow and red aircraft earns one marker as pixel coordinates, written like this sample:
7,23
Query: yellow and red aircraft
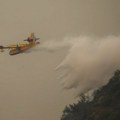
19,48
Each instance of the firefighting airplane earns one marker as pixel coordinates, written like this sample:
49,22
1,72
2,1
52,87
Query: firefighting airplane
19,48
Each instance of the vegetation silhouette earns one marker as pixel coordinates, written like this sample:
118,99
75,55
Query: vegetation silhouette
105,104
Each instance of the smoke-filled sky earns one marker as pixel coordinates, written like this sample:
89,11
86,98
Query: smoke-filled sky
79,47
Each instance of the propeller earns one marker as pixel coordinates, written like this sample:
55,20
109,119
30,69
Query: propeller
1,48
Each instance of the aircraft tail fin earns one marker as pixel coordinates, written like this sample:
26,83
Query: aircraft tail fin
32,36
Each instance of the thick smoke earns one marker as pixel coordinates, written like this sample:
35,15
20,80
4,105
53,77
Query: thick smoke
90,61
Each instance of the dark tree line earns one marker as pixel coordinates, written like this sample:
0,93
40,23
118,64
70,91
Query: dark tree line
105,104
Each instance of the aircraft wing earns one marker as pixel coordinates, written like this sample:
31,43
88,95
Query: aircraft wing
12,46
8,47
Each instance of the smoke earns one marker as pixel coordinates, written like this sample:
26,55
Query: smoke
89,63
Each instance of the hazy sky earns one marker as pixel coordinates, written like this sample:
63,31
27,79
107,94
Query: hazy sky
29,89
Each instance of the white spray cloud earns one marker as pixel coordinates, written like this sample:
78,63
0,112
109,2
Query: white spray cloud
90,61
53,45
